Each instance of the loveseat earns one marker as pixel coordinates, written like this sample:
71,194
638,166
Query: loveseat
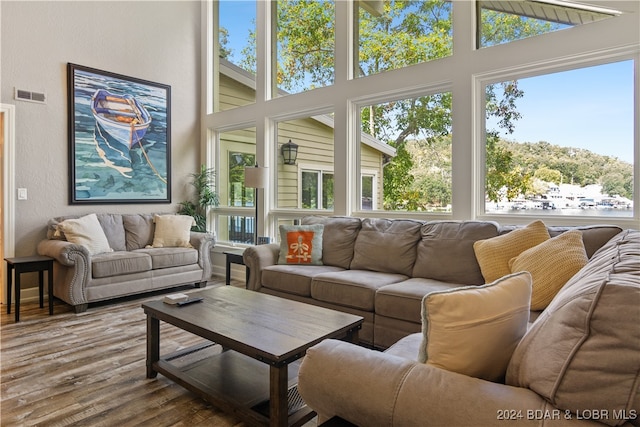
577,364
142,253
381,269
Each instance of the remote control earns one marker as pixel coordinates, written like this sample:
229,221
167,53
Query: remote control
189,301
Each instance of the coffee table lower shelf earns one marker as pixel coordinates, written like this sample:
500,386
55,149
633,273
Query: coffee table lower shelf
234,383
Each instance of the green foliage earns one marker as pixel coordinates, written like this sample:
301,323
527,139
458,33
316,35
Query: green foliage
549,175
205,197
505,177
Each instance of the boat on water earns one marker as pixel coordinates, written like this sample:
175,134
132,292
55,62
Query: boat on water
122,116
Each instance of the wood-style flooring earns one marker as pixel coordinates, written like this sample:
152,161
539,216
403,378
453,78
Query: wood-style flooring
88,369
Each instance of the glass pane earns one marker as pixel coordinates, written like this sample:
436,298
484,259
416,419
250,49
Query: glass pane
416,174
504,21
314,138
367,193
562,143
237,51
237,150
305,40
395,34
235,228
327,191
309,190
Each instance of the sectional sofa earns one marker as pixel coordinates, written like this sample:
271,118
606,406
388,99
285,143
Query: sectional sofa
578,364
137,256
381,269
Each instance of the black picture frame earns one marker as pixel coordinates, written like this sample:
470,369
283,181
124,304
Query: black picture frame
119,138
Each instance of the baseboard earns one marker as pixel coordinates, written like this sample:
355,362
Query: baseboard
28,295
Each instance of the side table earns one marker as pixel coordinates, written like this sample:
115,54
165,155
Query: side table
234,256
29,264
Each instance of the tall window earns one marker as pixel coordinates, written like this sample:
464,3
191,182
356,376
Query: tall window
417,176
562,143
395,34
236,50
305,41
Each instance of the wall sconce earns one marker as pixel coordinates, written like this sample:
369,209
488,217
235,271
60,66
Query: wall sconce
289,153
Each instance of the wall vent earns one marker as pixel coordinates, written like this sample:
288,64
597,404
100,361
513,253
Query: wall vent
25,95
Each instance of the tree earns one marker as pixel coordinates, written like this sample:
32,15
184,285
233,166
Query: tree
549,175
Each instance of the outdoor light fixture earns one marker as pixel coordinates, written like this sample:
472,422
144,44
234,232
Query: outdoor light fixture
289,153
255,177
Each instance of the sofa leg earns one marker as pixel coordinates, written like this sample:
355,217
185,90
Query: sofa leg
200,284
80,308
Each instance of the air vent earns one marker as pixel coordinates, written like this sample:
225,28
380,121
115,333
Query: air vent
25,95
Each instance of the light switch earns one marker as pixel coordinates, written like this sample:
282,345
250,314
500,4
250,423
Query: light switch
22,194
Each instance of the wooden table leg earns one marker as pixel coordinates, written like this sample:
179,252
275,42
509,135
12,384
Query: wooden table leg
278,404
17,291
41,287
9,285
153,345
50,288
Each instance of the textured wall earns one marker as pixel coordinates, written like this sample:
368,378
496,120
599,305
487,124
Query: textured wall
156,41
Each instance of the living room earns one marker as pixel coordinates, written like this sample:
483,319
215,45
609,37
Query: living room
168,43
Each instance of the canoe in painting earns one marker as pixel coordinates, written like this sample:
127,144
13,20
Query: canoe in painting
122,116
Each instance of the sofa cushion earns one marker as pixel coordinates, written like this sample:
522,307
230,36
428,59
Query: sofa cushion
551,264
293,279
445,251
119,263
114,230
403,300
139,230
301,244
170,257
593,236
494,254
172,231
474,330
351,288
386,245
583,352
86,231
338,239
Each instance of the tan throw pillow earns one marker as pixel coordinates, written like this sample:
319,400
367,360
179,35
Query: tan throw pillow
551,264
474,330
301,244
86,231
494,254
173,231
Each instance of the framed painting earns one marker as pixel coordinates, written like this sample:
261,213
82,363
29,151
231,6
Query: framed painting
119,138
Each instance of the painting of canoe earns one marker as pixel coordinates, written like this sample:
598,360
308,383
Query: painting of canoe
119,138
121,115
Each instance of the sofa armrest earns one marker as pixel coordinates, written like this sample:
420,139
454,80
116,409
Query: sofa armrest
66,253
368,387
75,271
256,258
203,242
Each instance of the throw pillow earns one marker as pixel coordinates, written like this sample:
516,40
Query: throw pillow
494,254
172,231
551,264
474,330
86,231
301,244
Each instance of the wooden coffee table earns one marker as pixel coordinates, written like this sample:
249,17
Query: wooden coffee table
262,336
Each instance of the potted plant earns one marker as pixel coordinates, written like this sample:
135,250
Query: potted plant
205,197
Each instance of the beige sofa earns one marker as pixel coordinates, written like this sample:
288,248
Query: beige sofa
578,364
132,267
381,269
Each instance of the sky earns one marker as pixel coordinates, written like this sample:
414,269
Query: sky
590,108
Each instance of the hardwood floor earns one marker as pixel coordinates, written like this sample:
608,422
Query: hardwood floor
88,369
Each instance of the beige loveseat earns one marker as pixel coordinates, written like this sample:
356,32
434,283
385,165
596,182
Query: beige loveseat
381,269
577,364
130,266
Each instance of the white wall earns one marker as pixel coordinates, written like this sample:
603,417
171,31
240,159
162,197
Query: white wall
157,41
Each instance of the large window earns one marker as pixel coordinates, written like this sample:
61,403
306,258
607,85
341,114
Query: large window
434,109
562,143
